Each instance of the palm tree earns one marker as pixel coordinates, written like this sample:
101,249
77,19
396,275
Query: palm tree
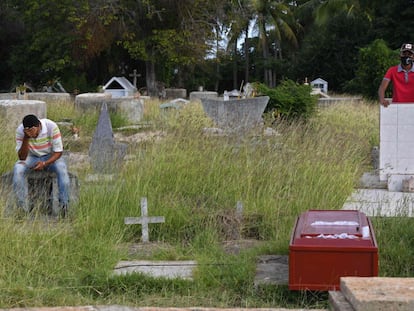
324,10
240,20
275,24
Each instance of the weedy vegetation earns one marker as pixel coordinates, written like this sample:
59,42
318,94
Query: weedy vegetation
195,181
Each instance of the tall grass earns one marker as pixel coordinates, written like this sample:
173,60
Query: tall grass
195,180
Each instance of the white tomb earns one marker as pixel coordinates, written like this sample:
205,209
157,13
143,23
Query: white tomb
320,84
119,87
396,162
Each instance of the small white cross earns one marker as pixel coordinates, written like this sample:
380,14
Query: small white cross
144,220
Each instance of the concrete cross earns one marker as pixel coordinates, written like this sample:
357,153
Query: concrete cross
144,220
135,75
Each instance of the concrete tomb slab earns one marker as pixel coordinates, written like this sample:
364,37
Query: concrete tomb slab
198,95
381,202
379,294
272,270
131,107
236,115
166,269
175,93
14,110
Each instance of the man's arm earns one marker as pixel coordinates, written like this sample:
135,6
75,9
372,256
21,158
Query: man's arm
24,148
381,92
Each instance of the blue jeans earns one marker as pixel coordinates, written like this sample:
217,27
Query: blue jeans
20,185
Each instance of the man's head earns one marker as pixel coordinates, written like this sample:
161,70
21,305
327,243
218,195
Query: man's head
30,121
31,125
407,47
407,54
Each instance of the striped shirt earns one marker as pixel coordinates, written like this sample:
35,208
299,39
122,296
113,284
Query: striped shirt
49,139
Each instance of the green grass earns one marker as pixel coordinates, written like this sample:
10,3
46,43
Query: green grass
195,181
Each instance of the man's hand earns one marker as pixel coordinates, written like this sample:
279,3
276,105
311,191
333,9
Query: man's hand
40,166
30,132
385,103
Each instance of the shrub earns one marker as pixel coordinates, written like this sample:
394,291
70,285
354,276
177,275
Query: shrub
289,100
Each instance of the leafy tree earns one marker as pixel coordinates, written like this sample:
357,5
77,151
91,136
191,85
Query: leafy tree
394,21
373,62
165,34
331,51
60,38
11,30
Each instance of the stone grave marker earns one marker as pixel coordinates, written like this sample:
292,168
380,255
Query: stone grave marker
106,156
236,115
167,269
13,110
144,220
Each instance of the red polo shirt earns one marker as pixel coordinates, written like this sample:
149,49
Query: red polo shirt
403,84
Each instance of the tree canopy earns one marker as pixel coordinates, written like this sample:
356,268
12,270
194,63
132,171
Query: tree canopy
216,44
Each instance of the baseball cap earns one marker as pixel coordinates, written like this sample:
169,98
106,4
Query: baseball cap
30,120
407,47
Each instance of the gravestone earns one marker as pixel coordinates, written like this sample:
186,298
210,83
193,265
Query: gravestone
119,87
50,97
14,110
235,115
131,107
144,220
198,95
105,154
175,93
91,101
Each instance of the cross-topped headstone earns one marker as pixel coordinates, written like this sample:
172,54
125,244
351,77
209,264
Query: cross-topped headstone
135,75
144,220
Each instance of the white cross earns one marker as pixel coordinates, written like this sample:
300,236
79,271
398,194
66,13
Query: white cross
144,220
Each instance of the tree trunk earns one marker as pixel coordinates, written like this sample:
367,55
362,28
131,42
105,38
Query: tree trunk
267,72
246,56
216,84
235,82
150,78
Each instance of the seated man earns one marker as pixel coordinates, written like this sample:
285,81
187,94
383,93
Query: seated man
39,147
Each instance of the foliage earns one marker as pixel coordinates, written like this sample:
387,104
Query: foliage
330,51
289,100
373,62
171,41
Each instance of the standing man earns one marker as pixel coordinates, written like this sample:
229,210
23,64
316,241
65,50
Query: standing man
39,148
402,78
